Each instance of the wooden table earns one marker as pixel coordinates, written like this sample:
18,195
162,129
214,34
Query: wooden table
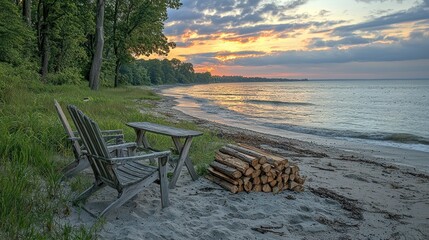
176,134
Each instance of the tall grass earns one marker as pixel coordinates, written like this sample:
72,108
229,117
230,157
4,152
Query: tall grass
34,148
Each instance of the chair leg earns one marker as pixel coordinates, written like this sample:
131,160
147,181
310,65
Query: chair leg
88,192
74,168
122,198
129,192
163,181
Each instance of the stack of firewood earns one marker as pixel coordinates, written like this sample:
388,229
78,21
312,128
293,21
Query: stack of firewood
246,168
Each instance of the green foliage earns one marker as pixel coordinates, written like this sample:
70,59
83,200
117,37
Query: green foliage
69,24
14,35
131,73
168,71
67,76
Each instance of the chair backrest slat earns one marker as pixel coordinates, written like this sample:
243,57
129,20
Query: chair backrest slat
95,144
77,151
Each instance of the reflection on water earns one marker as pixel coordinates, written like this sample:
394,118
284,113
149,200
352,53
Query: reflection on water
366,109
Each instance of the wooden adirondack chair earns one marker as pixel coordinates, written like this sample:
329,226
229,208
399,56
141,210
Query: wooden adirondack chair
127,174
81,162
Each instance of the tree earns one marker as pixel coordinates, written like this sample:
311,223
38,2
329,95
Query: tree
26,11
61,28
137,29
94,75
13,33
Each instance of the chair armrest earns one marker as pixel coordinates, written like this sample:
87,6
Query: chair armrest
112,132
139,157
121,146
72,139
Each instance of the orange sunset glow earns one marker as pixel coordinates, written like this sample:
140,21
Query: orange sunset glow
302,38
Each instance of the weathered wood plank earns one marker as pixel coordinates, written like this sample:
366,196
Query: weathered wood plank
165,130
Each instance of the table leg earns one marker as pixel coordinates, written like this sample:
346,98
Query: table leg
141,140
183,159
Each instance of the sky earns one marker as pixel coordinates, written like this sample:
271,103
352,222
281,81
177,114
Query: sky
314,39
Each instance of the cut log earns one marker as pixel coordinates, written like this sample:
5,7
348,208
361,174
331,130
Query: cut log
266,188
276,189
228,186
273,173
281,167
248,187
249,159
249,171
279,177
240,188
256,173
273,183
261,157
300,180
257,188
256,180
272,159
292,184
246,180
292,176
257,167
287,171
270,179
266,167
285,179
294,168
232,162
223,176
264,179
298,188
280,185
229,171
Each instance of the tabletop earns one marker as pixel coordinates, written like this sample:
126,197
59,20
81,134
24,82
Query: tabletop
165,130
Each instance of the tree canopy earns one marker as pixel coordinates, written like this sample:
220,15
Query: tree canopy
73,40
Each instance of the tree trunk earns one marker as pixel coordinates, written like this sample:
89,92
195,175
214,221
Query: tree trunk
116,44
94,75
44,45
26,11
118,65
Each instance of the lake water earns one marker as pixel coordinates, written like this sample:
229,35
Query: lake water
385,112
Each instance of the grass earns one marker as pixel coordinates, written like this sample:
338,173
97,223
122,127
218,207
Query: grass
34,148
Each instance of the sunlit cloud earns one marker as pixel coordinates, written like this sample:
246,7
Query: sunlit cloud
229,37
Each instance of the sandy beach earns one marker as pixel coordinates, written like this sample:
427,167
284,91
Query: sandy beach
352,192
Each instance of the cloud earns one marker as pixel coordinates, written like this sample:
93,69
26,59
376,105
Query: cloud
413,49
213,57
371,1
414,14
323,12
207,17
347,41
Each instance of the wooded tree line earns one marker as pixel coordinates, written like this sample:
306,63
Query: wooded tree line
154,71
71,40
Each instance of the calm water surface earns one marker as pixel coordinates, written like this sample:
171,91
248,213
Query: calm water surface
387,112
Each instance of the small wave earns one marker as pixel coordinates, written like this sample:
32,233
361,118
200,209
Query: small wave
404,138
271,102
399,138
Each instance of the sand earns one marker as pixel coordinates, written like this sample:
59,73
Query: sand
353,191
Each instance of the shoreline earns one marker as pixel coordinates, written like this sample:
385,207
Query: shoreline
348,195
415,160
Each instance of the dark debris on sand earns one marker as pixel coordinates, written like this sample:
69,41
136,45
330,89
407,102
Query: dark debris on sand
346,203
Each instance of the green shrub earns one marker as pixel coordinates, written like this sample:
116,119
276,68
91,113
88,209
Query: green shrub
66,76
